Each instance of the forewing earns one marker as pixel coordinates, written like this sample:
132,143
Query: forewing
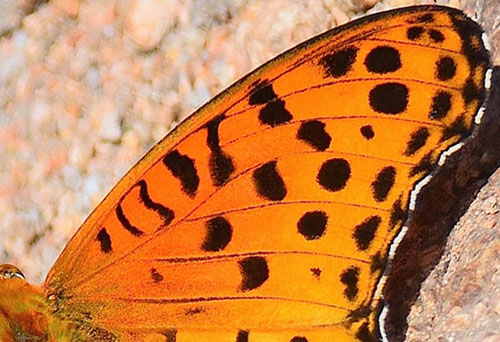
269,212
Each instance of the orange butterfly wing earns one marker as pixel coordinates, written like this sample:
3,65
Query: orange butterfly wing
268,214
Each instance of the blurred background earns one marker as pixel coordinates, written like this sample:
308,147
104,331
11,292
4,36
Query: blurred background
87,87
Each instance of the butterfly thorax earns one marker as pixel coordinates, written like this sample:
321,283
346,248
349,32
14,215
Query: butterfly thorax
26,314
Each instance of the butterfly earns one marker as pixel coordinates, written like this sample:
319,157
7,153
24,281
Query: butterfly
271,213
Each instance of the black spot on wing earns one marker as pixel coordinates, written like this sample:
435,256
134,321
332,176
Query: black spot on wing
269,183
313,132
334,174
398,214
105,240
436,35
316,272
126,223
156,276
220,164
425,18
377,263
242,336
457,128
470,92
350,278
274,114
358,314
446,68
365,232
312,225
340,62
182,167
166,213
364,334
383,183
298,339
254,272
423,166
218,234
441,105
221,167
367,132
263,93
414,32
417,141
383,59
389,98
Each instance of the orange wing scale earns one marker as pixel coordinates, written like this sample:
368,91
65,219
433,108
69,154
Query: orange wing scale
268,214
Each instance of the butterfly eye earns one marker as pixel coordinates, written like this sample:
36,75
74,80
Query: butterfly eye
9,272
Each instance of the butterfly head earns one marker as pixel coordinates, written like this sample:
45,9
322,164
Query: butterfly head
27,315
23,312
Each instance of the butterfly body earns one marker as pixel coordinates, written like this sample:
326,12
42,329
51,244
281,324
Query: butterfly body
25,313
269,213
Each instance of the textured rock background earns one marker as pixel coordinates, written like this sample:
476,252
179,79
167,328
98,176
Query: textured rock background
86,87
